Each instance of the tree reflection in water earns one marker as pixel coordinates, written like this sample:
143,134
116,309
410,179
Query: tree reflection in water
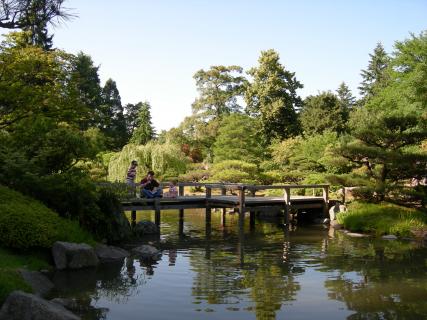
377,279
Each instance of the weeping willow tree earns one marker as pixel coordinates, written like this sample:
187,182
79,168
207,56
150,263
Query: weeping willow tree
166,160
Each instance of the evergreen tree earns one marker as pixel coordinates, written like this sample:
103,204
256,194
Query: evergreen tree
144,130
375,76
33,16
272,98
85,75
346,98
238,139
112,104
131,116
389,129
323,112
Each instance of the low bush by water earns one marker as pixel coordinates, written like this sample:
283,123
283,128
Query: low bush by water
383,218
26,223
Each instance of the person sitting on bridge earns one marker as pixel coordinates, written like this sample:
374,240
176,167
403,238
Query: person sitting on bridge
150,188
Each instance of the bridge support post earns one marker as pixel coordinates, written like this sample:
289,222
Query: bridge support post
325,190
133,218
241,207
157,211
180,191
252,219
287,196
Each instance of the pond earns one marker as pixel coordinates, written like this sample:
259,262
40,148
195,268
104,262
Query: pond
265,272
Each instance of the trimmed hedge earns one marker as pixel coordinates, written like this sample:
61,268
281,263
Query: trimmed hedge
27,223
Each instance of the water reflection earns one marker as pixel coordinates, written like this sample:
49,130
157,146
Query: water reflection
213,270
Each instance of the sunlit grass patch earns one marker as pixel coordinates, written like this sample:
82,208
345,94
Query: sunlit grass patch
383,218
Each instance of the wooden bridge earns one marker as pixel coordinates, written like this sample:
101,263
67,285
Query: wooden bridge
242,198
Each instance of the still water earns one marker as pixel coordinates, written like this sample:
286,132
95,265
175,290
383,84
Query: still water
266,272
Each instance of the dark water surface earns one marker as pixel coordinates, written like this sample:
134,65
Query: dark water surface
268,272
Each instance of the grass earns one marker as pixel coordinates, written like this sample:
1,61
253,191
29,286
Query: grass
10,263
382,218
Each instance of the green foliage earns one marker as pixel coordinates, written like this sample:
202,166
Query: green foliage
238,139
115,129
383,218
11,280
143,131
323,112
389,129
36,82
376,75
272,97
219,88
164,159
234,171
26,223
196,172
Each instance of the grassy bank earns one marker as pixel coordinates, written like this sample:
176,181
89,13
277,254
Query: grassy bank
10,263
28,230
382,218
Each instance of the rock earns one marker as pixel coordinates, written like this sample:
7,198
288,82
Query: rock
334,224
357,235
146,227
77,307
110,253
20,305
337,208
40,284
70,304
147,252
73,255
389,237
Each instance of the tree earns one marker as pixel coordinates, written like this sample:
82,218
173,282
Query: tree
33,16
272,97
219,88
86,78
35,82
131,116
112,104
238,139
375,76
323,112
144,130
389,129
346,98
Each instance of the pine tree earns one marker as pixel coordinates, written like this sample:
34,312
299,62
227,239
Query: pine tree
144,130
375,76
115,129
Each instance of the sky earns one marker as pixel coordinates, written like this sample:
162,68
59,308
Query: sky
152,49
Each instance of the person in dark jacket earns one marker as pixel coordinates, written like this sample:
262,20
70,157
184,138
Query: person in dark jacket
150,188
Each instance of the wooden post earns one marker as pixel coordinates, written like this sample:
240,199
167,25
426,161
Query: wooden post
287,196
223,217
208,192
223,191
241,207
157,211
180,190
252,219
208,215
325,201
133,218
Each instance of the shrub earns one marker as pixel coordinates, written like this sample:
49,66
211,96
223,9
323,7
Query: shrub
383,218
27,223
234,171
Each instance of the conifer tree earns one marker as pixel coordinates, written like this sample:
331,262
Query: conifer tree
144,130
375,76
112,106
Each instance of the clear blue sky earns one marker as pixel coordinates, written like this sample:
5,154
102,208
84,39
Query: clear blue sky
153,48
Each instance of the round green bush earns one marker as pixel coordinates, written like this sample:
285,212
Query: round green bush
27,223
